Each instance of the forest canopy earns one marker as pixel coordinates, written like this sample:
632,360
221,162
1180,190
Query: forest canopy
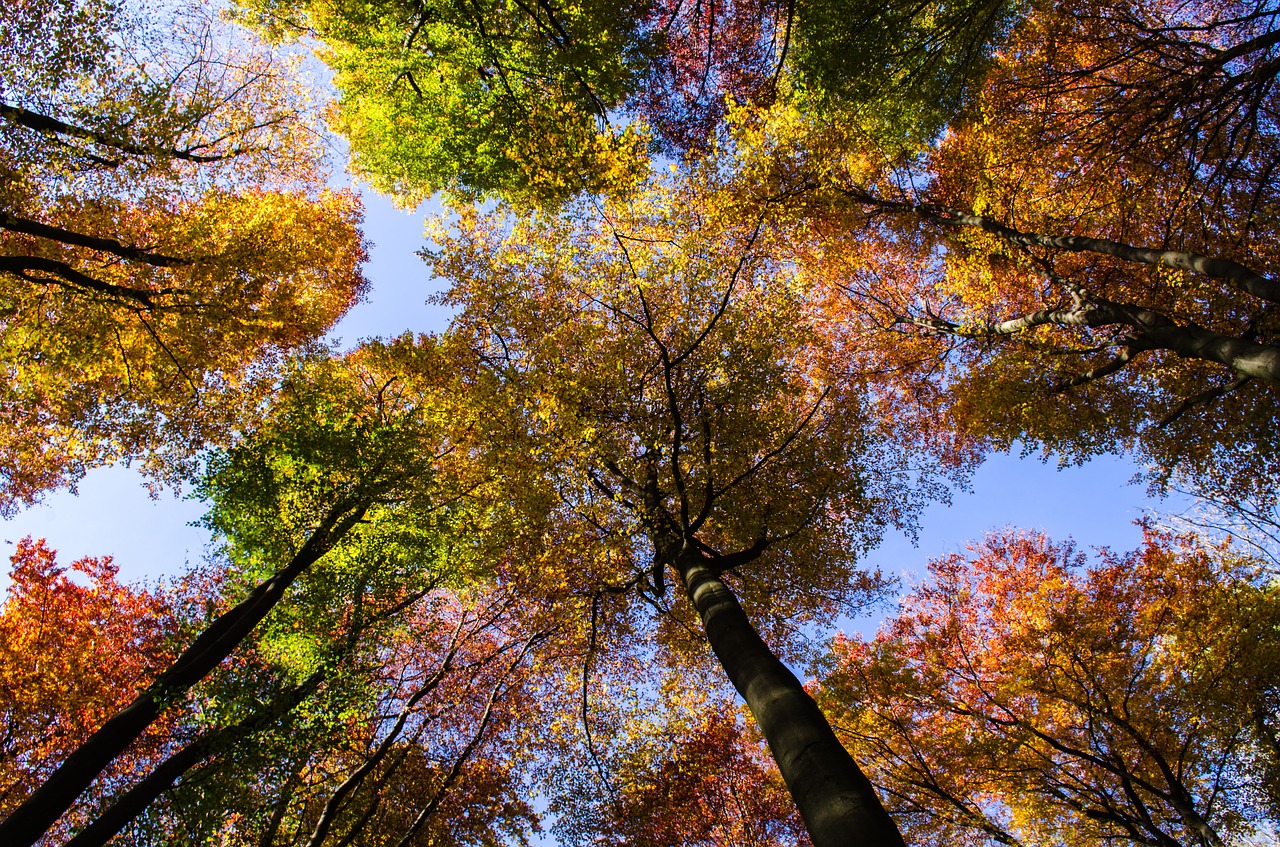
736,289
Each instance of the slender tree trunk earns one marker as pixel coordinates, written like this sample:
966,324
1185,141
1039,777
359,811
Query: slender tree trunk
134,801
283,799
27,823
836,800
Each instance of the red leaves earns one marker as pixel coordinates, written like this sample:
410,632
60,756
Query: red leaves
712,53
75,645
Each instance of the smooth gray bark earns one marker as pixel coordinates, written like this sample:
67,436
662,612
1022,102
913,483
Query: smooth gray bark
836,800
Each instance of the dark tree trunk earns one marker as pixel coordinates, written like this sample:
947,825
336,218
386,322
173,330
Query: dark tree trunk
27,823
836,800
135,801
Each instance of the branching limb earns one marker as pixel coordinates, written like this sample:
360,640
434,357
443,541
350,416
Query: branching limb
1114,366
1203,399
13,223
66,276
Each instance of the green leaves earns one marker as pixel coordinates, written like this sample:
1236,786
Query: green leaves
901,70
507,98
364,433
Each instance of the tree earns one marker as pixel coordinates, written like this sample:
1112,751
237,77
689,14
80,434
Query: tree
75,645
511,99
664,379
453,683
1020,698
1103,211
1049,346
685,771
165,235
897,71
1179,97
397,736
345,467
1154,256
1036,302
536,102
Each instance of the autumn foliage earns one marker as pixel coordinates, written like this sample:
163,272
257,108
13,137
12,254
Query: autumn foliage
165,236
1023,696
736,286
701,782
75,645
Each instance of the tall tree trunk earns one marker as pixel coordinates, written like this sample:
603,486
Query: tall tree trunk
135,801
836,800
27,823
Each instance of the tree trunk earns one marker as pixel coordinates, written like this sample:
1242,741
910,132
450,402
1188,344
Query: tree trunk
136,800
27,823
837,802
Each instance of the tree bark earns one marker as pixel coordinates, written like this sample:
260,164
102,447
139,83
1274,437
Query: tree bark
1241,277
1248,358
53,126
27,823
134,801
836,800
13,223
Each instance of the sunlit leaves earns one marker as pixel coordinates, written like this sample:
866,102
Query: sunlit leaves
164,233
664,365
1020,696
508,98
686,773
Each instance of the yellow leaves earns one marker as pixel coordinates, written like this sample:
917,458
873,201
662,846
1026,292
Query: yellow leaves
611,329
251,275
787,139
176,238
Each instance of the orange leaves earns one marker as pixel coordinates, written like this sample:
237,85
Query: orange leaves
75,646
702,782
1021,696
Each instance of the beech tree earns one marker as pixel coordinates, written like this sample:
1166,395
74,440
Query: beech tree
1022,698
1178,96
400,735
1031,300
314,689
73,653
681,766
1120,232
537,102
165,235
668,379
350,464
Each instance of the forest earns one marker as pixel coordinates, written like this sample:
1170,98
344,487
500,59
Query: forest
737,287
